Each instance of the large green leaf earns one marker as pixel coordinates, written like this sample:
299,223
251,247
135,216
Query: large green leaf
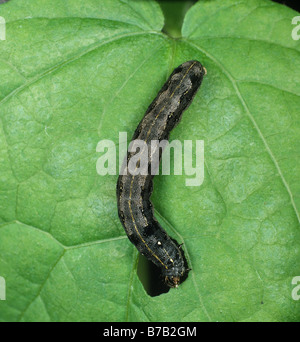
73,73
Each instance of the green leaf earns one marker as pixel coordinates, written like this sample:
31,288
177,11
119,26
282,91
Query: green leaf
74,73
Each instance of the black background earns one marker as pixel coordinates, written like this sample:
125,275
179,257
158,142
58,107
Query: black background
290,3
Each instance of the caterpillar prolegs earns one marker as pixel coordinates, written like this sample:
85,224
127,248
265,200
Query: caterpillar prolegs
134,190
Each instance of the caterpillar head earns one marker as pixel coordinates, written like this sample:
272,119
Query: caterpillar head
174,277
172,281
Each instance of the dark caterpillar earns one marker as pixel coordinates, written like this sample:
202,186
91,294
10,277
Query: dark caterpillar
134,190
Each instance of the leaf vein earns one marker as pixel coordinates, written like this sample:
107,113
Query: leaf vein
250,116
